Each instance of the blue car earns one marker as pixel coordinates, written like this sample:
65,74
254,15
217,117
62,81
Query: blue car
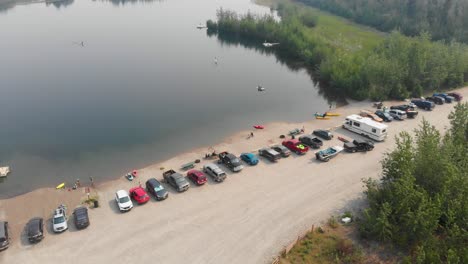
249,158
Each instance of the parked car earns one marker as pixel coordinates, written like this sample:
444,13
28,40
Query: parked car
35,229
59,220
311,141
214,171
270,154
176,180
4,235
369,114
123,201
282,150
80,215
456,95
448,99
329,153
325,134
139,195
158,191
397,114
436,99
197,177
424,104
249,158
358,145
407,108
384,115
230,161
296,146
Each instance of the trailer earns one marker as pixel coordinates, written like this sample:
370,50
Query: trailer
366,127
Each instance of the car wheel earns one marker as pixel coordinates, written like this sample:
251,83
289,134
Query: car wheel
326,160
353,151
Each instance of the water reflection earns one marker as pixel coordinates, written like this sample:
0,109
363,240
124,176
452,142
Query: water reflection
124,2
5,5
282,57
59,3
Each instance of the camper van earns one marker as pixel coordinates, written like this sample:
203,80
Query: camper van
366,127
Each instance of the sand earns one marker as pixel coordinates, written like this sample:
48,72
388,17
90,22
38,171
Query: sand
248,218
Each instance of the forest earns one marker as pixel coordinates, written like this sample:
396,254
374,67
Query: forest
421,203
442,19
397,67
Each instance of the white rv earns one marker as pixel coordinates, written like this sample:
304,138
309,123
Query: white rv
366,127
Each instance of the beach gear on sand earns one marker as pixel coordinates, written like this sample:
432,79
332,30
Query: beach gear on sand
331,114
322,118
60,186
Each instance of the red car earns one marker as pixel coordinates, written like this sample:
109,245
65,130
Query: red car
196,176
139,195
296,146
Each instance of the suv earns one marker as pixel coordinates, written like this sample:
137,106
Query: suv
323,134
59,220
197,177
436,99
428,105
80,215
270,154
216,172
231,161
35,230
358,145
397,114
123,201
154,187
384,115
408,109
448,98
4,235
177,180
284,151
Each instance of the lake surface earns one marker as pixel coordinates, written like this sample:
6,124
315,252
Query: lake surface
142,87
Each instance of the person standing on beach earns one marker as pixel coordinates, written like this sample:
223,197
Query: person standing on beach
91,180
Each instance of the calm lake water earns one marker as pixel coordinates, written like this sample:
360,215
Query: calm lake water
142,88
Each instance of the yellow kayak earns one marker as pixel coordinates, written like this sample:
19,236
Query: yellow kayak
332,114
321,118
60,186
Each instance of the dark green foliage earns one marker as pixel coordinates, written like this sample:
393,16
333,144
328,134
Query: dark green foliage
421,203
398,68
444,19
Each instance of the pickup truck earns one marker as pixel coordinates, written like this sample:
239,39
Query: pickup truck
448,98
327,154
311,141
230,161
176,180
358,145
424,104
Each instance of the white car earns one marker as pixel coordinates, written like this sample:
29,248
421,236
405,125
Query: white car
59,220
123,201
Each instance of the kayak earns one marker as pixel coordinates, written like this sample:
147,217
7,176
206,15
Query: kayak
60,186
321,118
331,114
258,127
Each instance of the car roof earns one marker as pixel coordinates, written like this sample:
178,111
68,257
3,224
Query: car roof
121,193
154,182
211,165
139,190
34,224
196,172
248,154
80,210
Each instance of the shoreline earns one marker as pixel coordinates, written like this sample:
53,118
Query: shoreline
334,194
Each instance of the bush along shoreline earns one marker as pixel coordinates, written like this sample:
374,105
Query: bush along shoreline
397,67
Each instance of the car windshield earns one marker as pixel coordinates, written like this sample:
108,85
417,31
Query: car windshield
236,160
180,180
158,188
124,199
59,220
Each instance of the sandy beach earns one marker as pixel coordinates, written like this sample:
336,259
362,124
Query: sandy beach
248,218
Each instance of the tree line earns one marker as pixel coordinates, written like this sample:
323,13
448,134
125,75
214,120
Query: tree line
397,68
443,19
421,202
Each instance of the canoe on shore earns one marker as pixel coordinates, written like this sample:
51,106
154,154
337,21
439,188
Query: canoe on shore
322,117
332,114
258,127
60,186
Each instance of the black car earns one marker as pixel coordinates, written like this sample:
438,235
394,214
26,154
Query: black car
311,141
410,111
80,215
35,229
384,115
358,145
154,187
284,151
4,235
323,134
271,154
436,100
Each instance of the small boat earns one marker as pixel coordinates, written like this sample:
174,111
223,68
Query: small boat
60,186
332,114
258,127
269,45
4,171
260,88
129,177
201,26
